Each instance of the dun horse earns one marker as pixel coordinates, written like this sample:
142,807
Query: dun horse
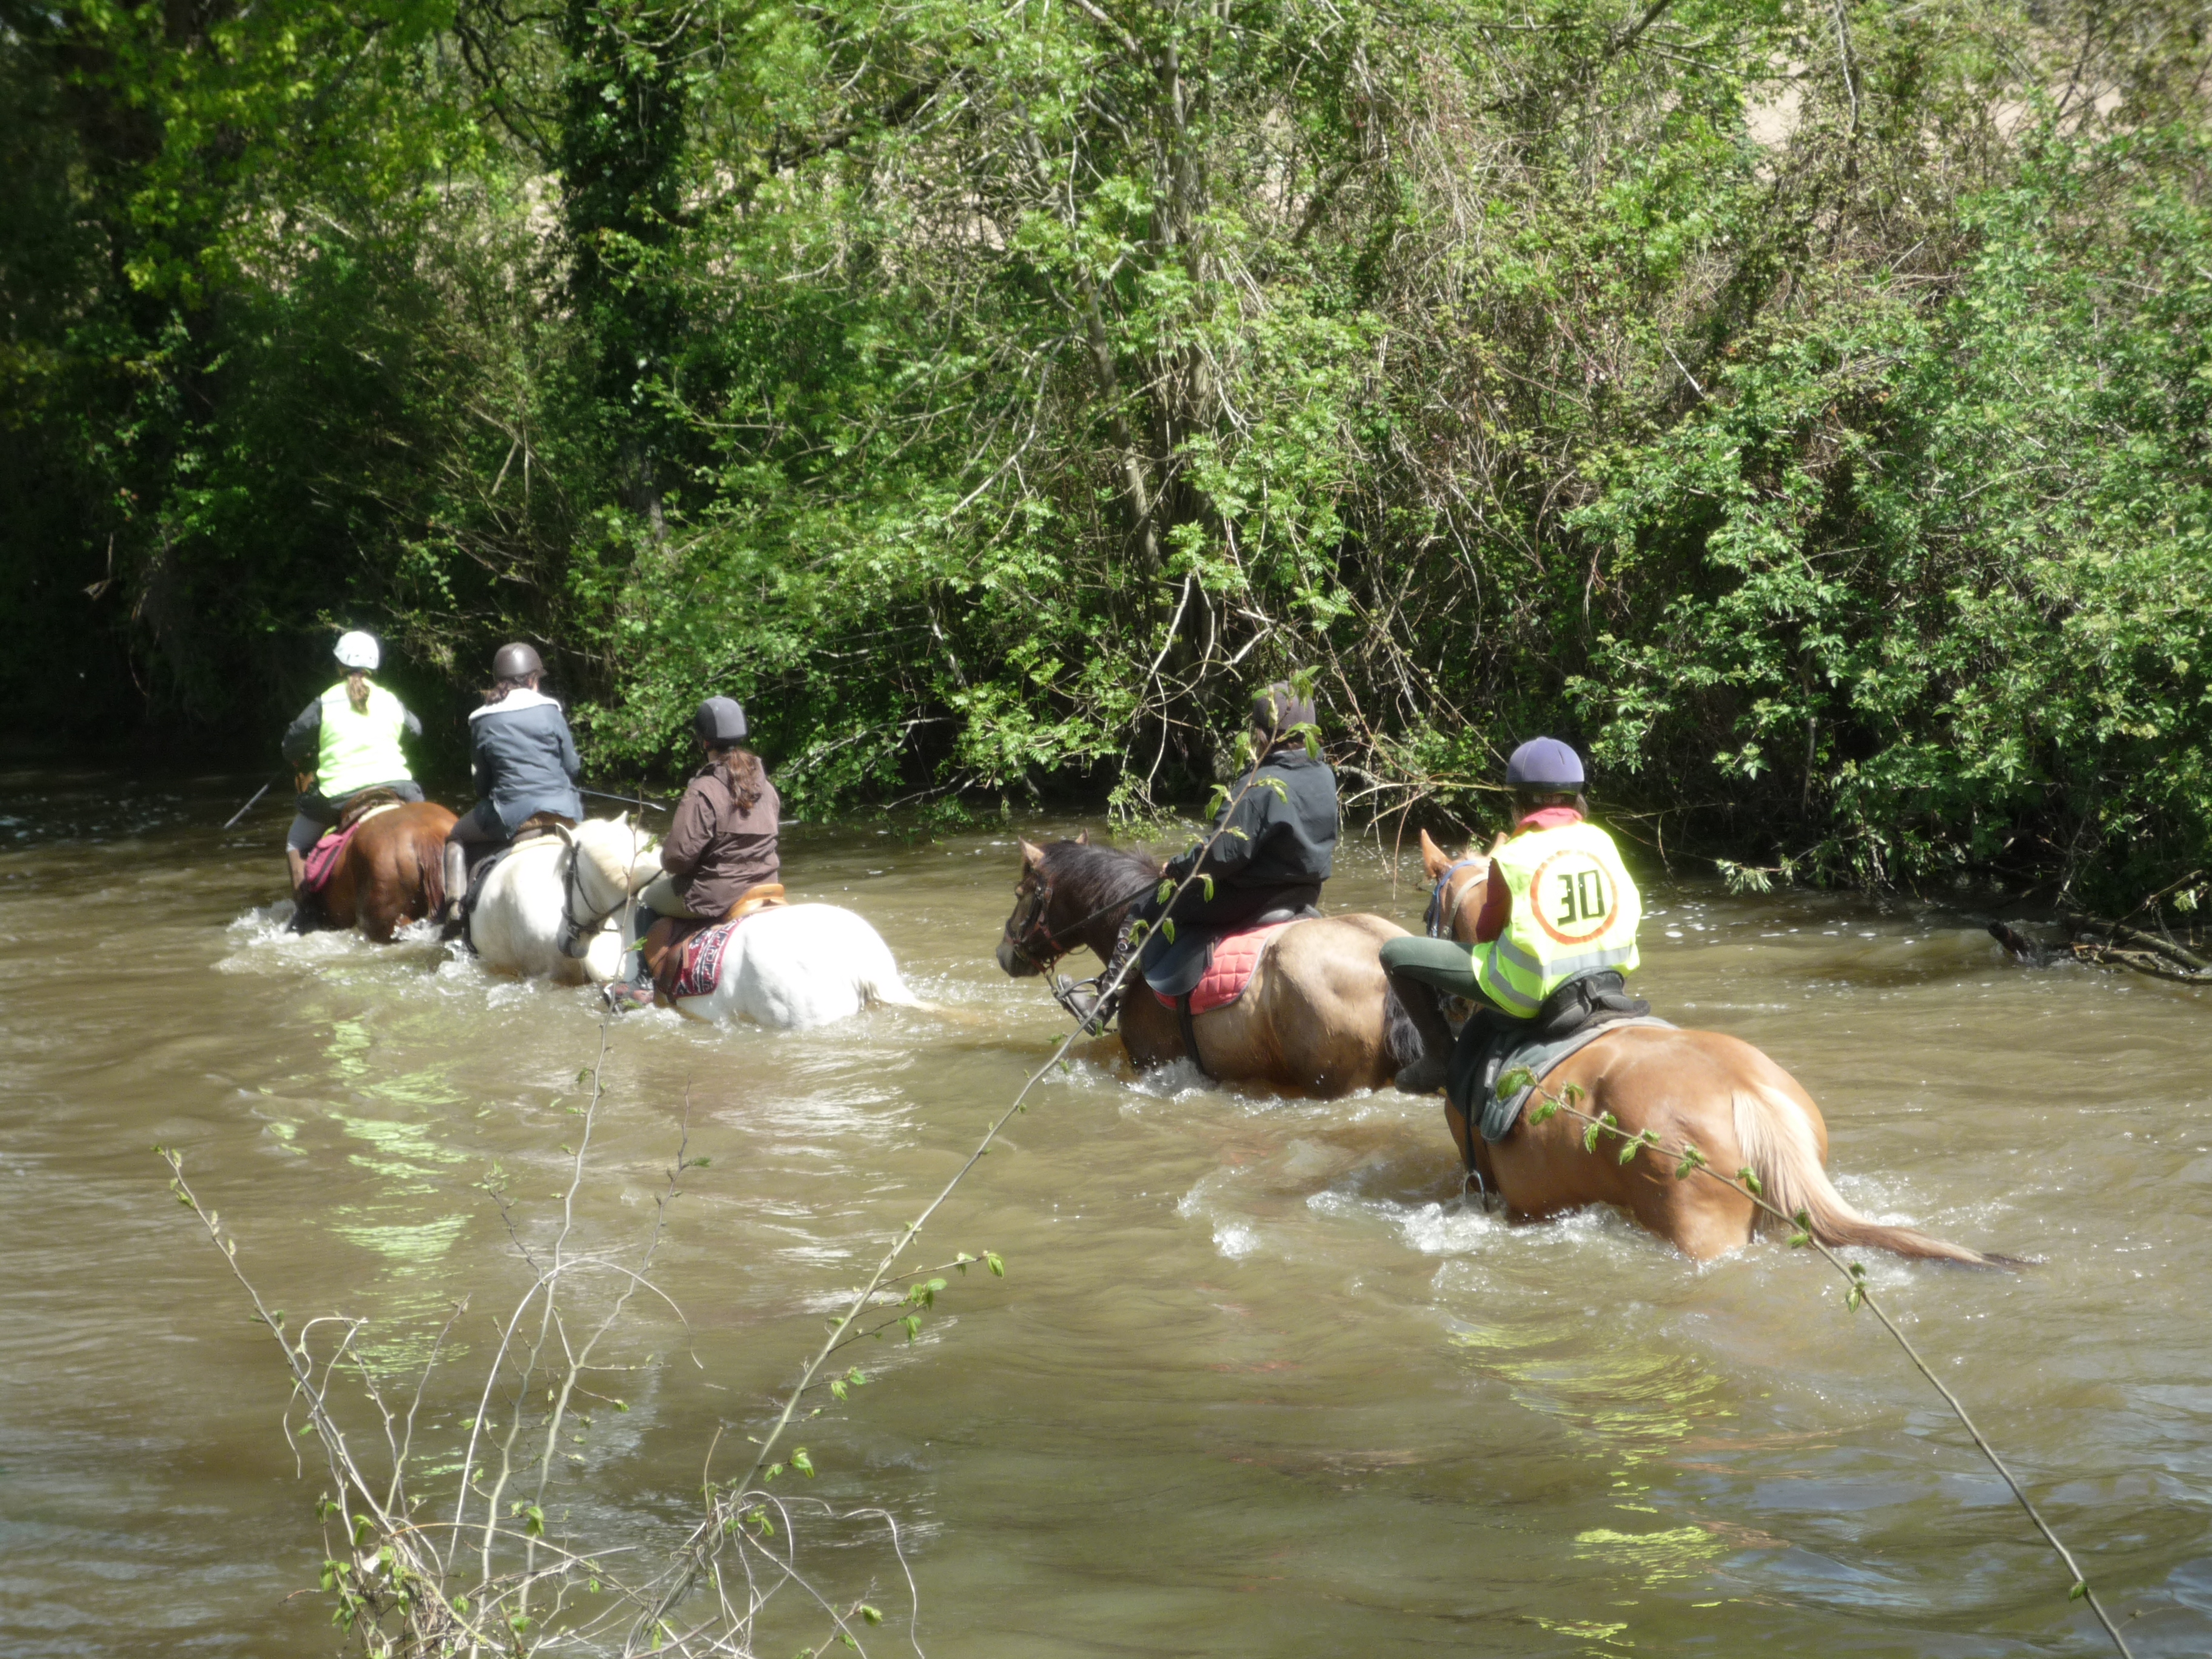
1715,1092
391,871
1315,1017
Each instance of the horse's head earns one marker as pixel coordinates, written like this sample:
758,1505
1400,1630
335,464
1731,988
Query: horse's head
609,859
1069,894
1456,895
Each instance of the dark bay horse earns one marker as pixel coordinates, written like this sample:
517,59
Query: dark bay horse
393,871
1316,1016
1715,1092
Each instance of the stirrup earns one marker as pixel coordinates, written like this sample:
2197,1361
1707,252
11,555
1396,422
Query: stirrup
1087,1005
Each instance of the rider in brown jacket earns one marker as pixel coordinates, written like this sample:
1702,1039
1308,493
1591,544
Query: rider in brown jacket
723,842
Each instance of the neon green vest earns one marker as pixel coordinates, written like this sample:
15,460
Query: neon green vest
1574,909
359,749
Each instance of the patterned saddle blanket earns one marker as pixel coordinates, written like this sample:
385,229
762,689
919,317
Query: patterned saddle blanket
685,955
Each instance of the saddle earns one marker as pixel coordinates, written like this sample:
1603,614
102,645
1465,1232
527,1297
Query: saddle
366,805
1181,972
1492,1044
684,954
483,856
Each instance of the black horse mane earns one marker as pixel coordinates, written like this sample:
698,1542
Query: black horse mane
1089,880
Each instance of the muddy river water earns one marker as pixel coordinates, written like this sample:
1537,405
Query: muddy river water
1258,1380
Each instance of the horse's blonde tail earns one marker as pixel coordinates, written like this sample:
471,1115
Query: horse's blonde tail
1776,1139
888,990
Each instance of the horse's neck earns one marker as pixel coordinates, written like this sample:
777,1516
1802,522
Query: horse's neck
1101,932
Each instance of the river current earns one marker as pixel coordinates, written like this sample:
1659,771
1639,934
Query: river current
1258,1379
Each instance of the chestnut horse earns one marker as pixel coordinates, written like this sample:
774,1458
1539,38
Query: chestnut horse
1316,1016
1716,1093
393,871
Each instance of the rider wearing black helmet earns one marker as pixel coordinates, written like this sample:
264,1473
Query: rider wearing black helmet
722,843
524,761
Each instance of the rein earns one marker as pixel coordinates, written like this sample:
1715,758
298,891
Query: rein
1438,917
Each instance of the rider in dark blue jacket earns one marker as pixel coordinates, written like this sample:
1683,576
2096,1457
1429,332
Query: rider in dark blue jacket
524,761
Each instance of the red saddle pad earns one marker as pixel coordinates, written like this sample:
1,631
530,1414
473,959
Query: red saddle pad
1235,956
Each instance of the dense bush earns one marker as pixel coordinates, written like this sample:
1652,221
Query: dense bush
1803,405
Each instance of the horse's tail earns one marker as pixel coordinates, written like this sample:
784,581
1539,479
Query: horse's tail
885,989
1777,1141
430,866
1401,1038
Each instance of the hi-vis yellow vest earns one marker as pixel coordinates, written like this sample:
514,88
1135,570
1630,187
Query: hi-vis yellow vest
359,749
1574,910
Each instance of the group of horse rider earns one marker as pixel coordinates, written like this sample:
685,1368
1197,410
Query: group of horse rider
1559,916
345,744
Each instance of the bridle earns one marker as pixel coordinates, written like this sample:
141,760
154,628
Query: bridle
1022,939
1444,903
573,939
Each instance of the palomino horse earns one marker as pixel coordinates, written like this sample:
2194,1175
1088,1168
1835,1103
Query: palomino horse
799,965
1316,1016
548,908
393,870
1714,1092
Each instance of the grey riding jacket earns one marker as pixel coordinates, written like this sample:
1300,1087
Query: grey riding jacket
523,758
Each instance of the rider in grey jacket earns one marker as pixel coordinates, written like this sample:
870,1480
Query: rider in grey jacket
523,759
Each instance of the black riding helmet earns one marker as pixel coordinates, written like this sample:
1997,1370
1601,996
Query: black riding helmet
719,722
516,662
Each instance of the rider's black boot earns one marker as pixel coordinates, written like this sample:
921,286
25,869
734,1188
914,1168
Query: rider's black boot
1424,1008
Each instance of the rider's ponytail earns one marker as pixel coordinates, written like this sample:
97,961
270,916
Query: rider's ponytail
747,779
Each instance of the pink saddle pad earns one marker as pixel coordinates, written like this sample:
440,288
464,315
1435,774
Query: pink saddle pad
323,857
1235,956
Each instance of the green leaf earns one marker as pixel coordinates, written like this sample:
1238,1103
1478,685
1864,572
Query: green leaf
534,1520
1749,1176
1206,883
1857,1295
873,1616
996,1263
837,1387
1799,1241
1514,1081
803,1463
2080,1590
1165,892
1543,1111
1167,929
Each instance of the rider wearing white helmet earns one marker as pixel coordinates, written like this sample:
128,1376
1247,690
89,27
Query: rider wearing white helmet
345,741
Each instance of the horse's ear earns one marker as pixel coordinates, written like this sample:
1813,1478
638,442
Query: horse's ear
1082,838
1032,855
1497,841
1432,857
561,830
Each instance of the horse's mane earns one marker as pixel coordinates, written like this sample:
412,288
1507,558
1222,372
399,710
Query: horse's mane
1097,878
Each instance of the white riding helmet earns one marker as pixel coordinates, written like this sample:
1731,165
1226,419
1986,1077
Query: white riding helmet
358,650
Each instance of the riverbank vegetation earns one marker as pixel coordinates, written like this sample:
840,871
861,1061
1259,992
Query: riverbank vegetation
1801,404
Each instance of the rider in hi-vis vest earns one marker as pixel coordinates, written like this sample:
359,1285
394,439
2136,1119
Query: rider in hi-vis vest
1573,909
343,742
1557,907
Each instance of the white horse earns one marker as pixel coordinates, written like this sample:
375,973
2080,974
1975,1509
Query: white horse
799,965
551,909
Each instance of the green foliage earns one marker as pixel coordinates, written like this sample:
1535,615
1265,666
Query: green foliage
1804,410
